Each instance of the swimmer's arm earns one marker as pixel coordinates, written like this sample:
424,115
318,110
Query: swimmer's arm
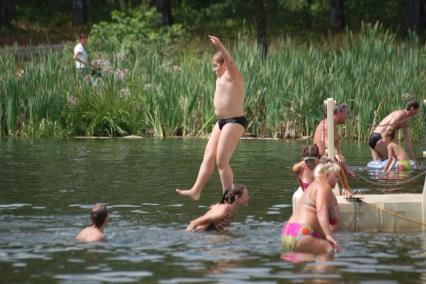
407,142
322,210
78,236
200,221
297,168
229,61
390,161
209,217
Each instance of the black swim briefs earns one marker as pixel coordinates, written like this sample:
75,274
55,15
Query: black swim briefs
242,120
374,138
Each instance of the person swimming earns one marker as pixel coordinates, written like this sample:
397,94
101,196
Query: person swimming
220,215
95,231
304,169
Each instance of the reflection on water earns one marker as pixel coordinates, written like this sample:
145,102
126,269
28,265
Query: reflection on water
48,187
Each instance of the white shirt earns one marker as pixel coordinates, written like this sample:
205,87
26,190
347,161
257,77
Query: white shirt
81,54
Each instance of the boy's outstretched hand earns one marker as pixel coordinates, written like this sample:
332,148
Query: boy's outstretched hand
215,40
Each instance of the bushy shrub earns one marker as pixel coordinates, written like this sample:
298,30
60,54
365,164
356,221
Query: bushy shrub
135,31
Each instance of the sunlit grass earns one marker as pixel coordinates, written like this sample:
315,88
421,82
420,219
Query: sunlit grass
150,94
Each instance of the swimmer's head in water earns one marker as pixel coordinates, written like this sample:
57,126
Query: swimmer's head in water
311,155
98,214
237,191
326,166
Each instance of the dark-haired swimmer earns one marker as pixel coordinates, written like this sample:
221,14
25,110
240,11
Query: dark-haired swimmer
95,231
220,215
229,108
304,169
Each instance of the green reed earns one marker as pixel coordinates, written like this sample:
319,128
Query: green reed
162,95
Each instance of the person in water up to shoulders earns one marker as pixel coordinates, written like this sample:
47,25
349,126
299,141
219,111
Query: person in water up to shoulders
304,170
220,215
80,56
309,229
396,153
397,119
95,231
228,104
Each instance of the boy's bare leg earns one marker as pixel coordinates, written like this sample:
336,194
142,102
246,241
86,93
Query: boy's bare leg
381,150
206,168
228,141
375,155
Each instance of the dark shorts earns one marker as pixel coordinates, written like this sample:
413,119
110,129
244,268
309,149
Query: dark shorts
374,138
242,120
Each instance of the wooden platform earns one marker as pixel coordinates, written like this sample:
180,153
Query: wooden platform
364,216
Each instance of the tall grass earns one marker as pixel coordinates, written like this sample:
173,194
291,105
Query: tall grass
163,94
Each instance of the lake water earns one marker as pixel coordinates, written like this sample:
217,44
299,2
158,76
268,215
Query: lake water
47,188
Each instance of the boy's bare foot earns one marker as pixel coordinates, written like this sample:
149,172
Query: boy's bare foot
189,193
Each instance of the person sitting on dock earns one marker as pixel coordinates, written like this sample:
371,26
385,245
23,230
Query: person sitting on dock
396,153
397,119
309,229
304,170
95,231
220,215
340,114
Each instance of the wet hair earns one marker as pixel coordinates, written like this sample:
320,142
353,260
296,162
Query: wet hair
218,57
310,151
412,104
231,193
340,108
390,133
326,166
98,214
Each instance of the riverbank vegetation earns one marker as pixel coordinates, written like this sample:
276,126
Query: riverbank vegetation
165,92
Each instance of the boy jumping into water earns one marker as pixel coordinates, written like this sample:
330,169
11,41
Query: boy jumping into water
228,105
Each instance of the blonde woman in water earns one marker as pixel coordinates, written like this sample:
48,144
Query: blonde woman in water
309,229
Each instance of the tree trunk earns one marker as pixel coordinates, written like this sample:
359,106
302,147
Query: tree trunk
337,15
415,15
165,8
79,9
7,12
308,14
260,17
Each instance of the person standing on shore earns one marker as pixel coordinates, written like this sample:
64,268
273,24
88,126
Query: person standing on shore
80,56
229,108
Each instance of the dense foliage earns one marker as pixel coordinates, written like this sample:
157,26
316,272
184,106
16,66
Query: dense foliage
137,30
150,93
